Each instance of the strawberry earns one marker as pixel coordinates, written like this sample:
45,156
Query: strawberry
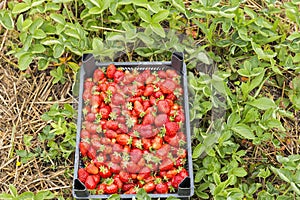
114,168
146,143
84,147
123,139
104,112
101,187
90,183
148,119
111,189
88,84
149,187
99,160
163,151
110,71
96,178
116,157
124,176
163,106
127,186
118,182
176,180
113,125
173,141
95,100
146,131
133,168
171,73
148,90
160,120
118,76
166,164
90,117
138,107
144,173
82,174
161,188
136,155
104,172
157,142
171,128
118,99
167,86
171,173
111,134
162,74
98,75
92,169
183,173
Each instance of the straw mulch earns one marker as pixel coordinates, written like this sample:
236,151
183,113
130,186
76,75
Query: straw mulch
24,97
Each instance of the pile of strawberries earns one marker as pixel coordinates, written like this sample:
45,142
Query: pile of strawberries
132,135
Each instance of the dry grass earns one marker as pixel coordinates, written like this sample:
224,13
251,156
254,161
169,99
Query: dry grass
23,101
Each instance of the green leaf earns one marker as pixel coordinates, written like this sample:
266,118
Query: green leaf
142,195
24,61
44,195
58,18
158,29
37,48
72,33
7,21
5,196
263,103
160,16
50,41
39,34
27,140
20,7
144,15
263,54
179,5
114,197
13,190
58,50
239,172
26,24
43,64
20,22
26,196
243,130
282,173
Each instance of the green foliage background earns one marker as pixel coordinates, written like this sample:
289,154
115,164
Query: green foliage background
247,52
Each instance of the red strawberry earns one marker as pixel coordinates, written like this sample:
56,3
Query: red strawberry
145,131
148,90
163,106
157,142
104,172
105,111
90,117
150,79
148,119
99,160
173,141
161,188
90,183
84,147
91,153
176,180
162,74
119,76
110,71
133,168
166,164
149,187
122,139
118,99
96,178
118,181
88,84
116,157
171,128
136,155
171,73
167,86
82,174
117,148
138,107
124,176
160,120
100,188
183,173
113,125
92,169
111,189
98,75
127,186
144,173
95,100
114,168
146,143
111,134
163,151
171,173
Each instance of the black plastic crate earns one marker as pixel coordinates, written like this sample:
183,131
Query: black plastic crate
90,64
